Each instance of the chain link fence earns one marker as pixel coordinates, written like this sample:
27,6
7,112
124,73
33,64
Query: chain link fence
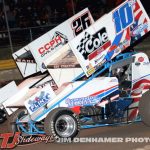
20,37
23,36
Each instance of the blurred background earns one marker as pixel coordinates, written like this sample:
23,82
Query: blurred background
22,21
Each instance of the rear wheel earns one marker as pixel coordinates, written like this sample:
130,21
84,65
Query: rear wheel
2,116
144,108
62,123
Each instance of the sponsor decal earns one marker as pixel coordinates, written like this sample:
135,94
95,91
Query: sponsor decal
11,140
32,61
26,57
140,59
102,62
139,29
84,101
92,45
39,101
25,60
66,66
58,39
117,50
99,58
124,44
91,71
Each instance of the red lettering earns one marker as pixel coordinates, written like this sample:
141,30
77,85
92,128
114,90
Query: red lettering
46,46
15,140
41,50
52,43
58,39
6,137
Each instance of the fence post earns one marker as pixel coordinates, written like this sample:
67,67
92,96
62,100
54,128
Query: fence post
73,6
31,37
9,35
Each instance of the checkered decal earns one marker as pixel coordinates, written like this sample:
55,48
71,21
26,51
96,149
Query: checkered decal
83,41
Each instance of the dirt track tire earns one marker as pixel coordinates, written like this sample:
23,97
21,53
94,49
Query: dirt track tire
144,108
62,123
12,127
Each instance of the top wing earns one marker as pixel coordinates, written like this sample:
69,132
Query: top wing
46,45
30,58
110,35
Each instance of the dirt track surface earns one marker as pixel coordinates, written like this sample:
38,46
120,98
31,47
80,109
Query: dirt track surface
137,130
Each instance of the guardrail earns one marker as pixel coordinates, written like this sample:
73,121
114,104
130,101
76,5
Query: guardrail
7,64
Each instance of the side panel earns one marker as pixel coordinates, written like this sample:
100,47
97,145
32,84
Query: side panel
61,76
25,62
92,93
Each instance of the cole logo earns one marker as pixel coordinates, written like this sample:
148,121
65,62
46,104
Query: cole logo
90,43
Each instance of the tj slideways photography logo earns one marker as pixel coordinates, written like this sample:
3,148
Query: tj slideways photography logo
11,140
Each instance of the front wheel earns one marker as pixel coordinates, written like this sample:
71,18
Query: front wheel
62,123
17,115
144,108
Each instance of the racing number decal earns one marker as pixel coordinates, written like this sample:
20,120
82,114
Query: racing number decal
123,17
81,23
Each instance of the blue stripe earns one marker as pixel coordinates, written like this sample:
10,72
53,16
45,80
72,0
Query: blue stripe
106,93
117,39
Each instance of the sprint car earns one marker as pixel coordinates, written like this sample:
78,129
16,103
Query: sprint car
112,96
100,81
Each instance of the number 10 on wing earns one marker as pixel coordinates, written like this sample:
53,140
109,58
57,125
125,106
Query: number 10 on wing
123,17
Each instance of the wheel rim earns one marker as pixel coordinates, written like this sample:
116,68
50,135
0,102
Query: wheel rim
65,126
